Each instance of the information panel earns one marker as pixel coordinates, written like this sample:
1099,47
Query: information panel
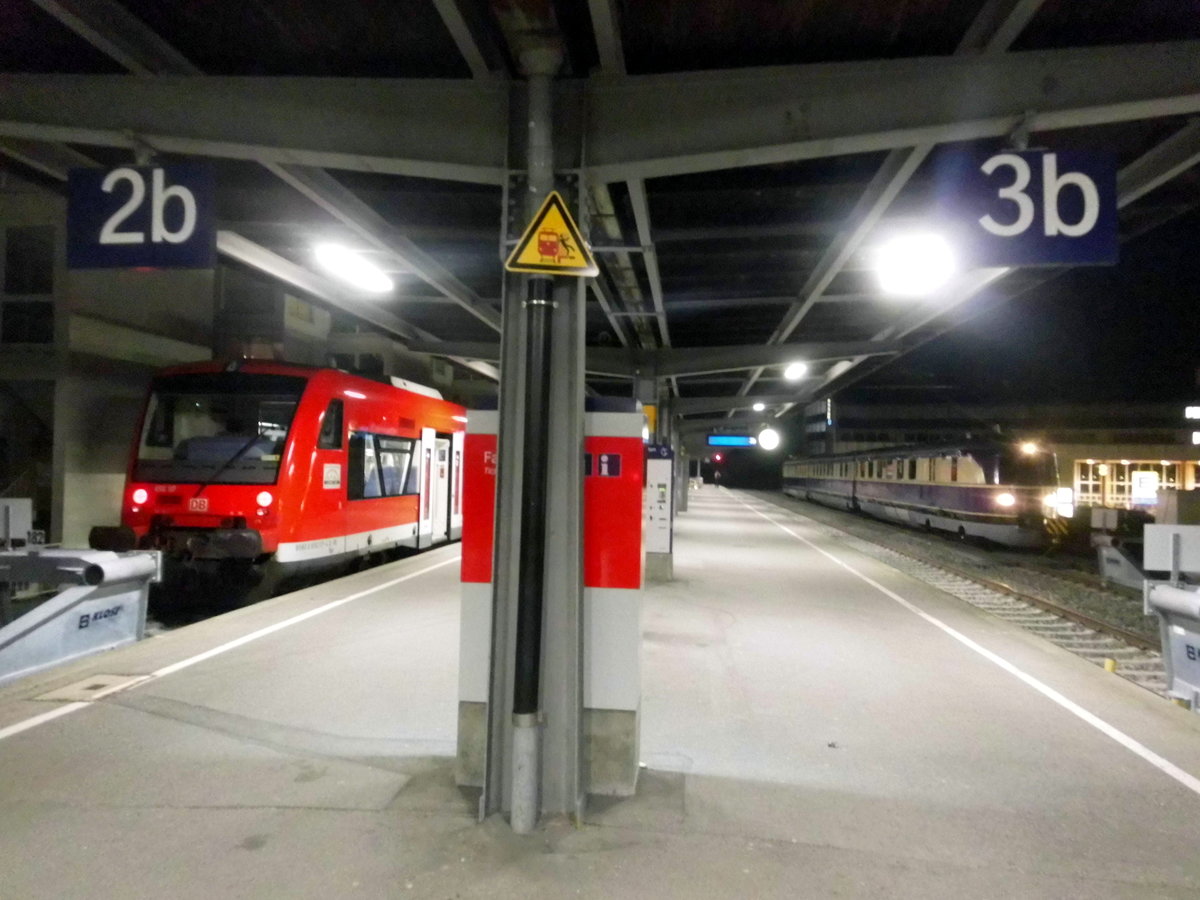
141,216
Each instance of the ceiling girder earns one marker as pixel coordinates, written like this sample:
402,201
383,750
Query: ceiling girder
113,30
687,406
342,203
263,260
1162,162
452,130
639,126
993,30
666,362
659,125
120,35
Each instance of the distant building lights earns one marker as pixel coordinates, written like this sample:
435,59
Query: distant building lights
352,268
768,439
795,371
915,265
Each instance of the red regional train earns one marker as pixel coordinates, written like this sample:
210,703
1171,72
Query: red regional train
262,471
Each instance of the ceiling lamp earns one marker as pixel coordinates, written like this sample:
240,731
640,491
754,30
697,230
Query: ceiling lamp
768,439
915,265
352,268
795,371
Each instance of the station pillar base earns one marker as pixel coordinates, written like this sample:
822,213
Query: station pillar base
660,567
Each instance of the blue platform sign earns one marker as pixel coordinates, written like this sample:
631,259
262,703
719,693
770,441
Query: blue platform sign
1033,208
141,216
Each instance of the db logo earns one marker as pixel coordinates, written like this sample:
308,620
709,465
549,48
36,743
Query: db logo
198,504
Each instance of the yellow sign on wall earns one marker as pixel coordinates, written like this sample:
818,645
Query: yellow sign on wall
552,245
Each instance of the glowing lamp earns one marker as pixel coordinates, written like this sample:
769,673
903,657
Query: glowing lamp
914,265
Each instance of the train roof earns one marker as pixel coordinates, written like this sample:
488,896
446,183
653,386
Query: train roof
970,446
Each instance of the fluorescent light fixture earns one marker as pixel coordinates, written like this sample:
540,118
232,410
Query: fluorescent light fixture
914,265
1196,437
795,371
352,268
1029,448
759,407
768,439
1191,412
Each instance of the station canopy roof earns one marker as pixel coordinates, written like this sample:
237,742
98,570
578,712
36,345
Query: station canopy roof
741,160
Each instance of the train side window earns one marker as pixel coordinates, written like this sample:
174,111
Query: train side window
363,480
412,484
331,427
395,460
912,470
954,468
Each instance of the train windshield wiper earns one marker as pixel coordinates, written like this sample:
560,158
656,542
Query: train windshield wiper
220,470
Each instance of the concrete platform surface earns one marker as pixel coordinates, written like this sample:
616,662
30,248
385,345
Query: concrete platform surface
815,724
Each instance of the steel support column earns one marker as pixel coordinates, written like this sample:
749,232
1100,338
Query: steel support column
562,702
513,775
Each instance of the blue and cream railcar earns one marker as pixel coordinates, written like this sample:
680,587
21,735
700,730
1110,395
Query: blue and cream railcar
1006,493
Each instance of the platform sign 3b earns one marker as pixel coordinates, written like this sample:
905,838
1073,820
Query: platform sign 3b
1030,208
141,216
552,244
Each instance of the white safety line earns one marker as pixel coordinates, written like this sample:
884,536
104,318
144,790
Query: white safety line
1164,765
39,720
215,651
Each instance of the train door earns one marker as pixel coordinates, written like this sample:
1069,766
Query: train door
433,524
456,482
425,509
441,489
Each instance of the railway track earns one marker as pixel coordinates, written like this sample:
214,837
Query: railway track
1052,610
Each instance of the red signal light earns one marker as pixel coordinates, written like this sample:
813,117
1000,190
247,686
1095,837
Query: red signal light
717,457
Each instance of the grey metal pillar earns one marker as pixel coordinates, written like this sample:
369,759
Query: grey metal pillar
497,785
562,668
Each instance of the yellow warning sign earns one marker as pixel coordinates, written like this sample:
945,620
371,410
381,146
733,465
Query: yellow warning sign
552,244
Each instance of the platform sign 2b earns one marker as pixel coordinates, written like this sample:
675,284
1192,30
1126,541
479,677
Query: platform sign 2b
141,216
1031,208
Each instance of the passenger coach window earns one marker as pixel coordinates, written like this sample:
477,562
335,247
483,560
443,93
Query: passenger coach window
331,427
380,466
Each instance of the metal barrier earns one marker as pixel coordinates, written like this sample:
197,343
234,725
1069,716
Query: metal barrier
1176,602
102,607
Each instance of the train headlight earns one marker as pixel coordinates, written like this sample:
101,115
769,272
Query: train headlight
1006,499
264,498
140,496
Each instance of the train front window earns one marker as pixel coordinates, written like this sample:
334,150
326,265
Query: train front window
1018,468
219,428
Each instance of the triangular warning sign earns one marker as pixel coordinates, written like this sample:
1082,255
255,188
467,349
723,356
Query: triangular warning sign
552,244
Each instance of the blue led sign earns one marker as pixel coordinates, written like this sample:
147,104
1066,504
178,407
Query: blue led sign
731,440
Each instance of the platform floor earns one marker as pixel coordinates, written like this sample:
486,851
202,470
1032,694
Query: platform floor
815,724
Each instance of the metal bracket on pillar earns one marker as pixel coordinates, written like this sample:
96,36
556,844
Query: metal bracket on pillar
143,153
